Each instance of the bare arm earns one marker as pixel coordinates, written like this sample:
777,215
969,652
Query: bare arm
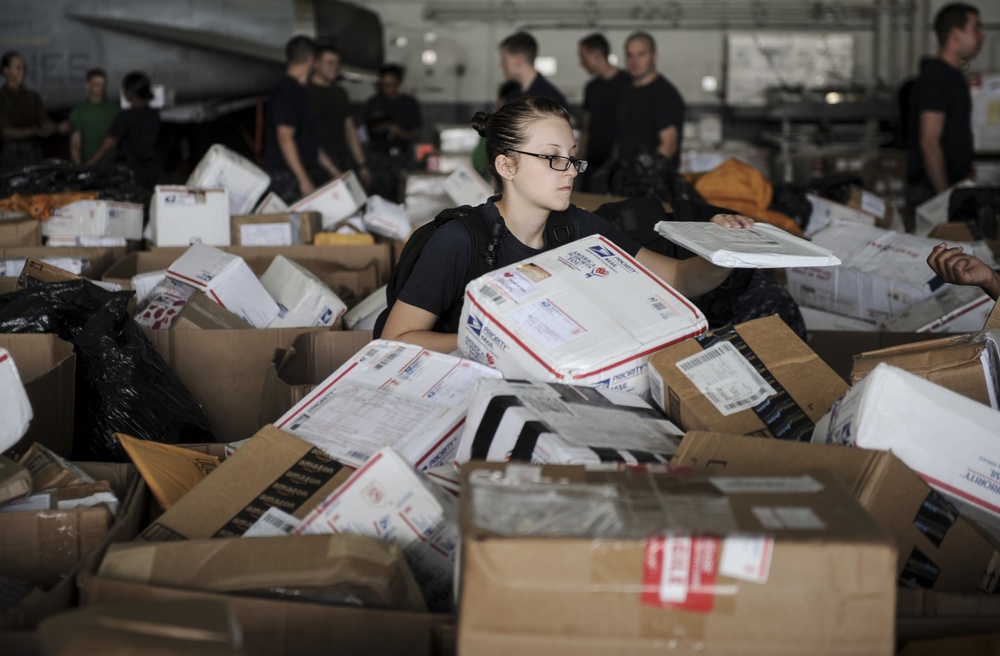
668,141
102,152
931,127
327,163
290,153
413,325
957,267
354,143
74,146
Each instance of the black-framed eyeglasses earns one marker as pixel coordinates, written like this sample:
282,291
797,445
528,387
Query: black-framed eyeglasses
557,162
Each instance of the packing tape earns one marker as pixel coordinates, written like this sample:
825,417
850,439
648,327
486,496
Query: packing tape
935,516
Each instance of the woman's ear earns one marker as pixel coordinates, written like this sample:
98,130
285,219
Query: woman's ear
506,166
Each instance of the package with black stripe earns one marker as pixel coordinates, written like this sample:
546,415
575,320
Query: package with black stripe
563,424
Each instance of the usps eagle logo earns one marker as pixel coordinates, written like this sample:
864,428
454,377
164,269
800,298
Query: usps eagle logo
475,325
602,251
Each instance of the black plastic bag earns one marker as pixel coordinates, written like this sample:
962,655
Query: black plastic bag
111,181
123,385
649,173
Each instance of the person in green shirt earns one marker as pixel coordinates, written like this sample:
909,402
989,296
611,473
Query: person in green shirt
92,118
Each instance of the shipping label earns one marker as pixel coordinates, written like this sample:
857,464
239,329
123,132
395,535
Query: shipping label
679,571
767,484
747,557
725,378
547,325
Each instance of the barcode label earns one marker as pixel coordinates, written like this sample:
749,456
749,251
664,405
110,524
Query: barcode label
388,358
492,294
725,378
272,523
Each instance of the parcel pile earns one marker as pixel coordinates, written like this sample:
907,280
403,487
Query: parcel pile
593,471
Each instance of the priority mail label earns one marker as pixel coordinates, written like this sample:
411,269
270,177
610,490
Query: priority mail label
725,378
679,571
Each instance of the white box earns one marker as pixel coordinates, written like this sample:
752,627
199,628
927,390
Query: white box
244,180
143,283
266,234
466,187
303,298
95,218
563,424
389,500
385,218
883,273
457,138
763,246
227,280
823,320
179,216
336,200
363,315
87,242
389,394
583,314
947,439
271,204
956,309
159,309
15,408
11,268
826,212
935,210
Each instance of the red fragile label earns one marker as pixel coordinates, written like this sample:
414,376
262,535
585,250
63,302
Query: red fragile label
679,571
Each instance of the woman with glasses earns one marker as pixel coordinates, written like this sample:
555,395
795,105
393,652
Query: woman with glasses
530,149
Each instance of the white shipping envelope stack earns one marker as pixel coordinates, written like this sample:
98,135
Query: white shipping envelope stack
385,218
94,219
227,280
271,204
762,246
389,500
389,394
363,315
564,424
244,180
179,216
303,298
955,309
583,314
336,200
15,408
949,440
883,273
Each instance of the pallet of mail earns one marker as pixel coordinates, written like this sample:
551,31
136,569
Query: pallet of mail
244,181
582,314
94,223
883,273
286,296
530,421
389,394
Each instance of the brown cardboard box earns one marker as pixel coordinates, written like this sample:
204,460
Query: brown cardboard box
194,628
304,225
20,231
938,548
100,258
980,645
169,471
295,371
819,578
870,203
15,481
837,348
47,366
993,321
225,370
952,362
804,387
342,568
201,312
273,469
923,614
37,271
48,469
89,495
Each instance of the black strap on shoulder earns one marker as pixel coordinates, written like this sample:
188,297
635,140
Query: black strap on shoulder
558,229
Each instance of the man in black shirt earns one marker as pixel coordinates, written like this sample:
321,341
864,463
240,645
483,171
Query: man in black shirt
940,130
335,128
517,59
292,154
132,135
600,105
394,122
651,112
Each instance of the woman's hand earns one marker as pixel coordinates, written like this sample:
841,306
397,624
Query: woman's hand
957,267
733,220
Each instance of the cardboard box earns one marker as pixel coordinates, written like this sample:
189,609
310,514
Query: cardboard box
935,210
591,202
389,394
344,239
303,299
955,309
296,370
144,283
47,367
922,614
88,262
199,628
271,204
336,200
993,321
837,349
179,216
883,273
96,218
822,320
685,563
826,213
169,471
163,304
874,205
344,568
50,470
466,187
273,469
243,180
967,364
363,315
276,229
389,500
200,312
15,481
90,495
755,378
938,548
227,280
20,231
582,314
529,421
224,371
15,408
946,438
387,219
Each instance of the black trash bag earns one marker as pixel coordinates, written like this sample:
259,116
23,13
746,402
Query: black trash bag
836,186
649,173
749,294
123,385
111,180
790,199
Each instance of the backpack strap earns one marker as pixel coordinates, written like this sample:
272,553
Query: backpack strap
558,229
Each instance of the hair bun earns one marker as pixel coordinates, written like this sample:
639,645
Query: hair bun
479,122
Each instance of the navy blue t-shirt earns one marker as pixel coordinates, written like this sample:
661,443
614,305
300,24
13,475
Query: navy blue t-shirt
541,88
439,276
289,105
941,88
